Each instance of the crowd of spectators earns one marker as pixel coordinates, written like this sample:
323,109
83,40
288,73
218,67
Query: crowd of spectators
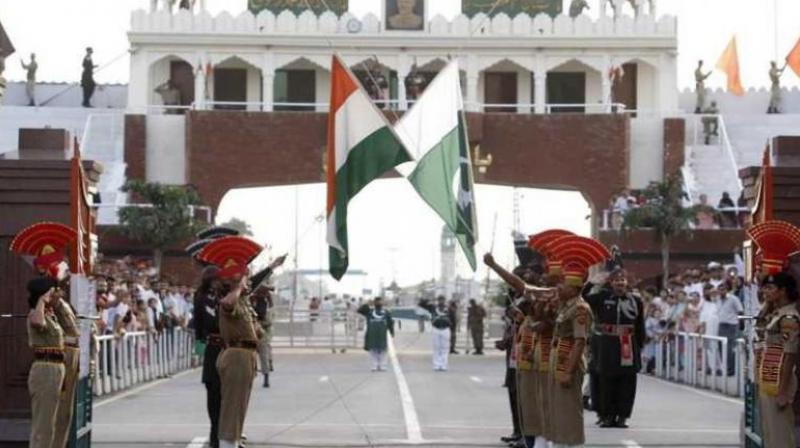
131,297
704,300
726,215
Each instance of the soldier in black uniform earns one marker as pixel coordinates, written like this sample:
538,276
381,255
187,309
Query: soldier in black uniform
616,346
206,324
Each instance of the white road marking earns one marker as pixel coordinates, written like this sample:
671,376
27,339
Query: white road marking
476,379
141,388
630,444
323,379
197,442
700,392
413,429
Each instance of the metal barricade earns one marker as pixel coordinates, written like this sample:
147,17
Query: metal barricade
701,361
337,329
122,362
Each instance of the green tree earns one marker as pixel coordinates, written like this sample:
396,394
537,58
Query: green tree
663,212
164,219
240,225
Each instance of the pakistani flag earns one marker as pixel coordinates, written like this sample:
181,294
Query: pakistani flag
435,132
361,147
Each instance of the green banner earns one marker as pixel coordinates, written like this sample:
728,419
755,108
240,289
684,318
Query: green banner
511,7
338,7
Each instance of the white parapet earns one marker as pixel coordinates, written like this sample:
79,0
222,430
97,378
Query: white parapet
479,26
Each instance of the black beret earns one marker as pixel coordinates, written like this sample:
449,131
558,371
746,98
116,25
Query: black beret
781,280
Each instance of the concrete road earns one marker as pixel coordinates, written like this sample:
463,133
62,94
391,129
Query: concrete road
330,400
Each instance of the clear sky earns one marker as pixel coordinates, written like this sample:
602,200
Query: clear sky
58,31
393,234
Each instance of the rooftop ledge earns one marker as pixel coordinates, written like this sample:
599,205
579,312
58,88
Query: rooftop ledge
479,27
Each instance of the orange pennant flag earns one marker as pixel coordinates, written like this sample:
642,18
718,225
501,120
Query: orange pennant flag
793,60
729,63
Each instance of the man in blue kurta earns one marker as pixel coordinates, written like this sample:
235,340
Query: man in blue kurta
379,323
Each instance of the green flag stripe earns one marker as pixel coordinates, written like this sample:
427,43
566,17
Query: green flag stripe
367,161
433,179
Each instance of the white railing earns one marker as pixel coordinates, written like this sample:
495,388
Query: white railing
395,104
697,135
122,362
701,361
606,219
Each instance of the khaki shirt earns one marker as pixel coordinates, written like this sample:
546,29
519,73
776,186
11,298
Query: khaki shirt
49,336
573,322
781,338
66,319
240,323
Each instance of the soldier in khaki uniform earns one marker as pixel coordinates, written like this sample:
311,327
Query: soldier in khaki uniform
46,339
778,328
777,380
72,353
572,326
529,315
240,332
53,333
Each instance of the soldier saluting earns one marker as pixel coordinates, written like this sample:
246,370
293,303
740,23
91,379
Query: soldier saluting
239,330
616,345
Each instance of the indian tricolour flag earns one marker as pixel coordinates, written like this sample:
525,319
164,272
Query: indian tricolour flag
435,132
361,147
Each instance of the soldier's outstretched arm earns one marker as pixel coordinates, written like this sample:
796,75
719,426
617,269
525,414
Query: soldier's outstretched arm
510,278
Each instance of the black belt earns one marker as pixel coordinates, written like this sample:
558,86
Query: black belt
48,356
72,345
251,345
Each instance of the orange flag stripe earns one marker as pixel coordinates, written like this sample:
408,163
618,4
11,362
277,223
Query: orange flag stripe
793,59
729,63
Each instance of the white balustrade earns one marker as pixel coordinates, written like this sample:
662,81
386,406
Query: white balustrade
701,361
122,362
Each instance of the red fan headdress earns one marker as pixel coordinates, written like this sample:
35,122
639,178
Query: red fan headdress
46,243
540,242
231,254
776,241
577,254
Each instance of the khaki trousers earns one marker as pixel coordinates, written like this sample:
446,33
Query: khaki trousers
237,369
66,403
777,424
566,412
44,386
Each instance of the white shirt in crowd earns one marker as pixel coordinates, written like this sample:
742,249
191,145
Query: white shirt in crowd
729,309
694,287
709,315
621,204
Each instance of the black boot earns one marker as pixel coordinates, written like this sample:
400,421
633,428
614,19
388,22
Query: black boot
266,380
620,422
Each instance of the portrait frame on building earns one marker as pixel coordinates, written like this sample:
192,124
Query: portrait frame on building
404,15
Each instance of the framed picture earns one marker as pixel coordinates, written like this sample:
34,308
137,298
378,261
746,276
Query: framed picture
404,15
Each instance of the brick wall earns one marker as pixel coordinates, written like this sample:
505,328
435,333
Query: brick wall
674,145
227,150
135,146
642,252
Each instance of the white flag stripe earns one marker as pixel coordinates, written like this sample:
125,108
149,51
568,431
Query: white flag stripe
333,238
355,121
431,118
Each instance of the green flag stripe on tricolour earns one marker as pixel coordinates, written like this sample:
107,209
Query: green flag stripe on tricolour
367,161
361,147
434,131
